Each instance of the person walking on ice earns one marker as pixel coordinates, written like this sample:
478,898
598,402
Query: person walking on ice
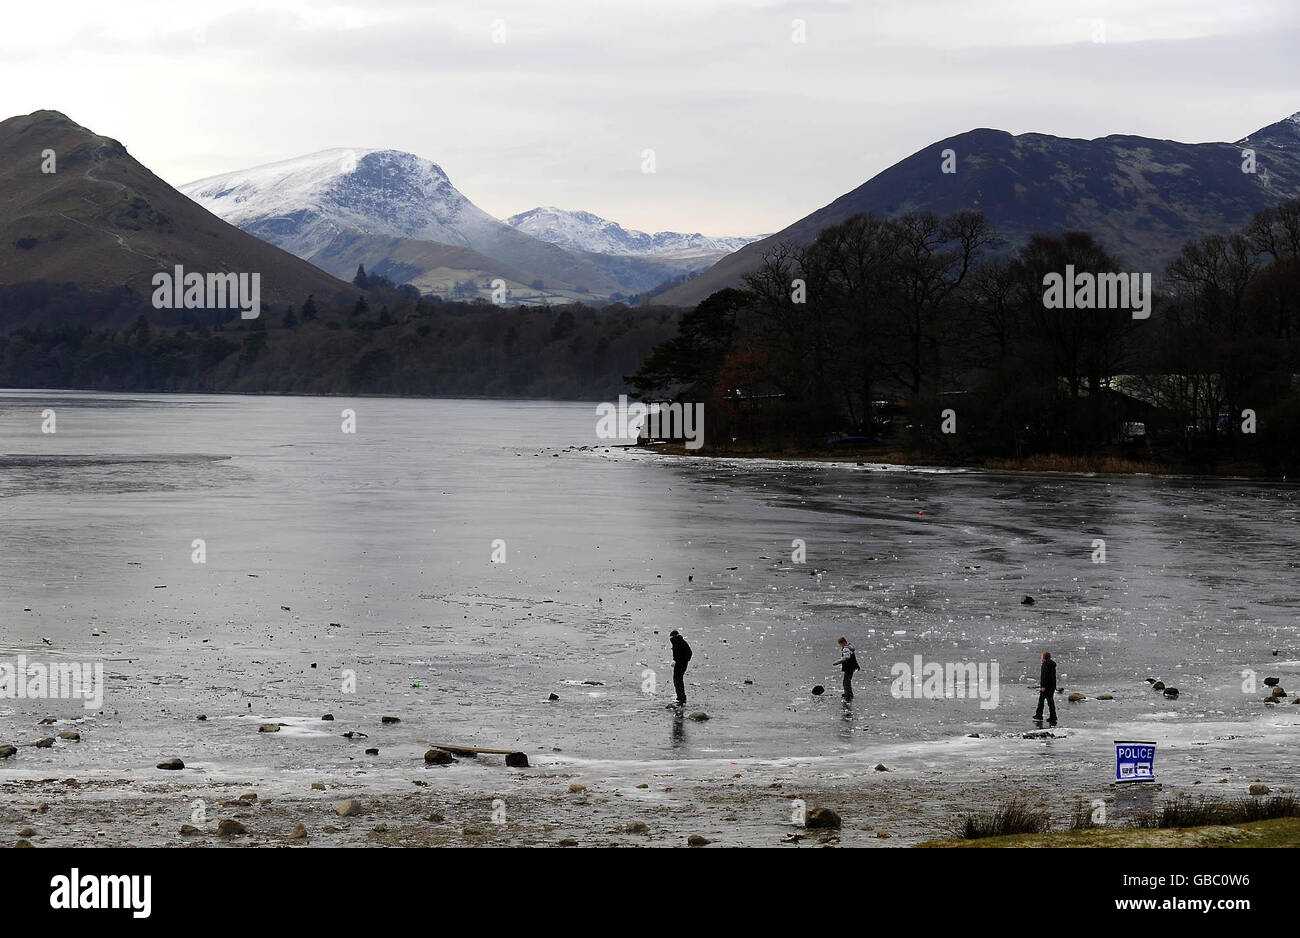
681,656
848,661
1046,688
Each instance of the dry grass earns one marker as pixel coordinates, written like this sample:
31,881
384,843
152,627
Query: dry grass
1014,817
1048,462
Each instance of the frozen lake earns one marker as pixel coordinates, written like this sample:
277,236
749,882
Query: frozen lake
390,532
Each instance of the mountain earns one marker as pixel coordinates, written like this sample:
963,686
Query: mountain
583,231
1141,197
400,215
101,220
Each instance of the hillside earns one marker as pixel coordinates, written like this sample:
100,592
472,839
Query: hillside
1142,198
104,221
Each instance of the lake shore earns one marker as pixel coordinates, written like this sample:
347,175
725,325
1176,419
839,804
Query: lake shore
1044,464
885,795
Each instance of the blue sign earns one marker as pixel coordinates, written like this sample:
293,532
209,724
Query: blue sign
1134,761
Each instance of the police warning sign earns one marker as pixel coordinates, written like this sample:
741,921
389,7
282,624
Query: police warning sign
1135,761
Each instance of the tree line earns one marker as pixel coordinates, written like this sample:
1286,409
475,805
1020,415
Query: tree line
389,341
922,332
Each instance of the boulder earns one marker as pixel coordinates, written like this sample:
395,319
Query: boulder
1272,681
328,716
1105,696
553,697
1075,698
298,833
1258,789
269,728
7,751
349,808
822,818
171,764
637,827
517,760
1279,692
438,757
390,719
697,840
68,734
45,743
27,832
880,767
318,786
818,690
1158,685
1026,600
189,830
372,752
699,716
230,828
1171,692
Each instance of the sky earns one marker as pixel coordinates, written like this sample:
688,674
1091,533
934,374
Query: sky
554,102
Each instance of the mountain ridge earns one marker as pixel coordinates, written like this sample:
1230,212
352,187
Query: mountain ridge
1142,197
587,231
343,206
103,220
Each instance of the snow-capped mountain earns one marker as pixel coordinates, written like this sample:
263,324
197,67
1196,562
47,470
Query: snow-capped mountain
1284,133
583,231
302,204
337,207
400,215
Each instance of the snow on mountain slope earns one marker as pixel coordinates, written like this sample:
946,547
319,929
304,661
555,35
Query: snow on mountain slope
583,231
302,204
316,206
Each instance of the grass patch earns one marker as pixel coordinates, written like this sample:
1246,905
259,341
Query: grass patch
1280,832
1082,818
1183,822
1050,462
1184,812
1013,817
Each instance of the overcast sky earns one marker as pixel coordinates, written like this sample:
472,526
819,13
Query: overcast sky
750,129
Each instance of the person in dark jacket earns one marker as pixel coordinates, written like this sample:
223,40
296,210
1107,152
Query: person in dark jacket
681,655
1046,688
848,661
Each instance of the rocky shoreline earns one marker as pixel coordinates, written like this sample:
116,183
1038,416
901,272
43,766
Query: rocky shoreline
854,799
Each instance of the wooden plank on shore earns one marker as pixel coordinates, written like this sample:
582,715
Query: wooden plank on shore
455,747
